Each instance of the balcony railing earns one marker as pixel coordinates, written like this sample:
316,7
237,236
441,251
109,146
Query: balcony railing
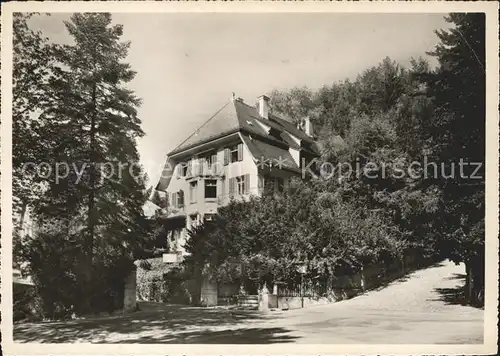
204,169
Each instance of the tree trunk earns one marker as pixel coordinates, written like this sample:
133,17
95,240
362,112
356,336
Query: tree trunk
89,241
21,219
477,278
363,280
17,236
468,281
198,281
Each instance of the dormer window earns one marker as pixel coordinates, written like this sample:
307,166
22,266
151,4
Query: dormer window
295,138
264,126
276,134
306,145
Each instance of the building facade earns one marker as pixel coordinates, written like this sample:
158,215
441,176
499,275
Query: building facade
235,154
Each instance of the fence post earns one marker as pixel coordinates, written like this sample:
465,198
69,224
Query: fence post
242,290
302,289
362,274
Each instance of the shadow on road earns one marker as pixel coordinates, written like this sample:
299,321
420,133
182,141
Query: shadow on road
389,282
457,276
451,296
160,324
456,295
237,336
403,277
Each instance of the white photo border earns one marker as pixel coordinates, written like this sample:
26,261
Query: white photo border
492,176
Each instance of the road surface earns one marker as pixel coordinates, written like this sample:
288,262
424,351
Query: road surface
421,308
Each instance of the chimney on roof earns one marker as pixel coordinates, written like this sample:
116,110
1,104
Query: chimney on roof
307,126
264,106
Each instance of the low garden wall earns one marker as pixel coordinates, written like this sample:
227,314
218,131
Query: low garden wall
345,287
285,303
158,285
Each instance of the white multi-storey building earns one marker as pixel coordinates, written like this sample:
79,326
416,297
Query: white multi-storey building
235,153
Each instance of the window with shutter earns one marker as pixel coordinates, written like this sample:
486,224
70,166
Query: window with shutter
173,200
199,166
213,164
280,184
261,182
233,154
210,188
193,191
183,169
240,185
180,199
226,156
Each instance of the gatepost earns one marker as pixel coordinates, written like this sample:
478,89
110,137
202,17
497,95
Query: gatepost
264,299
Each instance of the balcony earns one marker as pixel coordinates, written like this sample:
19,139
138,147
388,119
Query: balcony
205,170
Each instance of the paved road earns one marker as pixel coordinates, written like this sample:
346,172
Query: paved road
422,308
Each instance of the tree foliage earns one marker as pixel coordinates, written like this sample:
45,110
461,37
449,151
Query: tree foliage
405,126
74,108
33,71
458,89
263,240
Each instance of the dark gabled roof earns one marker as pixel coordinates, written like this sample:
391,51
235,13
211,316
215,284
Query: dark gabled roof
223,122
237,116
291,128
166,175
289,140
270,155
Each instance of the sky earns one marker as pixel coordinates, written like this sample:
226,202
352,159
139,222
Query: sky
188,64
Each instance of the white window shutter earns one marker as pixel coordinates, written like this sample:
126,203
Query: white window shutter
247,184
231,186
240,152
